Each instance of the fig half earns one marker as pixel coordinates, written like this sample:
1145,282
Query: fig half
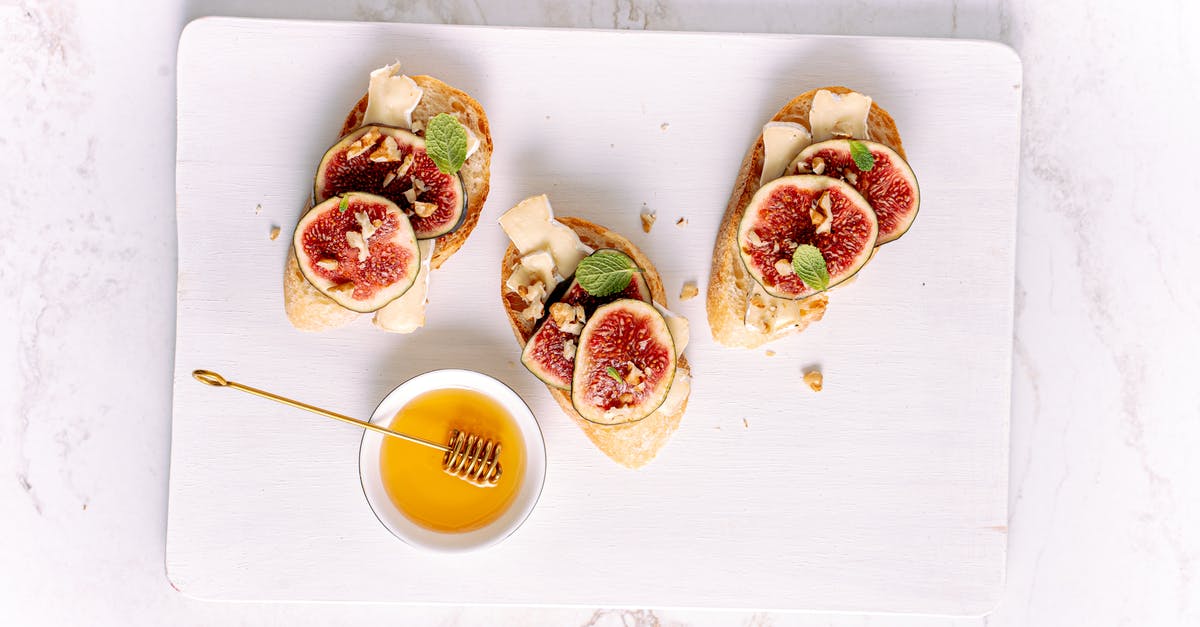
392,162
890,186
550,352
805,209
625,363
359,250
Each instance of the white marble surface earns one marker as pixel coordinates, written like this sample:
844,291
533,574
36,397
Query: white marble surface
1105,496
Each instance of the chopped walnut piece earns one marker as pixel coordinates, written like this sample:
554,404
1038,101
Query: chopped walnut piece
626,398
355,239
648,218
821,213
814,379
387,151
274,232
755,240
405,165
818,165
635,375
362,144
688,291
327,264
562,313
424,209
783,267
681,222
569,349
851,177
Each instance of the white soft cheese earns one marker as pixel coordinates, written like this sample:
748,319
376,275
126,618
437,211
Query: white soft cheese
678,327
536,267
834,115
531,227
681,386
769,314
782,142
407,313
391,99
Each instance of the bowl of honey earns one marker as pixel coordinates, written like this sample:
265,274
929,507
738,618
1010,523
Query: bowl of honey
405,484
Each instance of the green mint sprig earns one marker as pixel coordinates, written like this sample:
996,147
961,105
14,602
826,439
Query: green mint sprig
862,156
809,265
615,374
605,272
446,143
344,205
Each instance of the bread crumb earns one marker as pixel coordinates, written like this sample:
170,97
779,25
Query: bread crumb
814,379
648,218
689,291
274,232
770,353
745,423
258,209
664,126
681,222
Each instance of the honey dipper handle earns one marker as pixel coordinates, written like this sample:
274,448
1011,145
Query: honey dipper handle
208,377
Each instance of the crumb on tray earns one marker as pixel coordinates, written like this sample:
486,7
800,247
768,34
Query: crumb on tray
815,380
274,232
688,291
681,222
648,218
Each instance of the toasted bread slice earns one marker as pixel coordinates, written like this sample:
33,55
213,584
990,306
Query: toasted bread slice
309,309
729,284
631,445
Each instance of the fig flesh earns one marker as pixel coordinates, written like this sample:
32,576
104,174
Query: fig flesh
392,162
359,250
549,353
890,186
625,363
805,209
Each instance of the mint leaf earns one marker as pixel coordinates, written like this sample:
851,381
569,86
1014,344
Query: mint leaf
862,156
605,272
809,264
344,205
612,372
446,143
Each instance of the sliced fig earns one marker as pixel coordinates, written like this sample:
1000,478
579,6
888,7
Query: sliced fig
889,186
805,209
625,363
392,162
359,250
550,352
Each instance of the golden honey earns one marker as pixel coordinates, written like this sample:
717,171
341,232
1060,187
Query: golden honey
413,476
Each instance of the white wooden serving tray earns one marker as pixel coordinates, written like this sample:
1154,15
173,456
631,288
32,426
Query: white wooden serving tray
885,492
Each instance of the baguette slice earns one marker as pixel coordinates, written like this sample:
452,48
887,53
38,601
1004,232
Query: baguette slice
309,309
635,444
729,284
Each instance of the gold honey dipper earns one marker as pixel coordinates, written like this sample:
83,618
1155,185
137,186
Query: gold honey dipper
465,455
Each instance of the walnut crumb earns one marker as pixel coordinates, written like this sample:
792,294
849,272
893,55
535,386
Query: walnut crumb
689,291
681,222
770,353
745,423
664,126
274,232
258,209
814,379
648,218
